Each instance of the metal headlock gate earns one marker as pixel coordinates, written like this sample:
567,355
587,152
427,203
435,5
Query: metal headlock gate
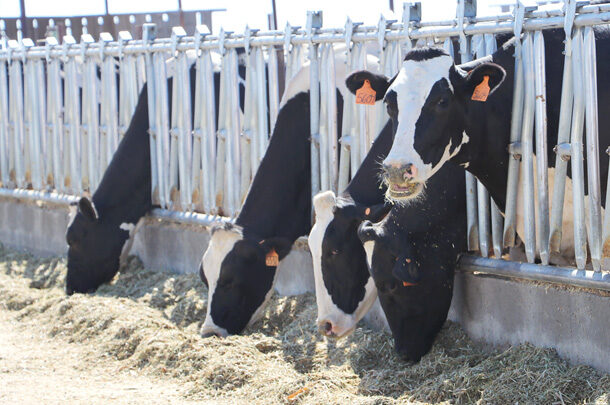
65,106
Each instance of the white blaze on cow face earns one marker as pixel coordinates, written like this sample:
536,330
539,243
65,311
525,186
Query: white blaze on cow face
339,323
221,243
412,86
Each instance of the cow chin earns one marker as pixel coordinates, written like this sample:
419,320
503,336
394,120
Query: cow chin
404,193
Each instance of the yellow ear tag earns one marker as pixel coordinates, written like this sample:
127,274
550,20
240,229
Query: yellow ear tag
272,259
365,94
481,92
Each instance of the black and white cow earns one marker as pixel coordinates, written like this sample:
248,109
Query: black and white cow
276,211
101,227
430,100
412,256
344,289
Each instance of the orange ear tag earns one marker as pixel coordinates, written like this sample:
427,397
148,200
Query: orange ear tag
365,94
367,211
272,259
481,92
404,283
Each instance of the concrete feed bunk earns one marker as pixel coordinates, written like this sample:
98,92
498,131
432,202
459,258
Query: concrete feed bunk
147,323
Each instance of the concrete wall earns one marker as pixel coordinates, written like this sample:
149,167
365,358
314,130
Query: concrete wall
495,310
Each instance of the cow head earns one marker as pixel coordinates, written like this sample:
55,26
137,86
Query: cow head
240,281
427,101
94,249
414,298
344,289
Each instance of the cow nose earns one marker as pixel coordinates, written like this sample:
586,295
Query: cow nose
211,334
409,171
68,290
326,328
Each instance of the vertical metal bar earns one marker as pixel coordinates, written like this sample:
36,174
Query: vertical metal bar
261,106
592,127
4,126
35,127
333,164
483,206
273,81
527,149
149,32
580,237
204,134
128,85
90,120
541,173
348,108
357,125
235,126
563,144
510,210
162,128
17,124
248,136
109,127
181,123
314,101
222,196
55,116
324,130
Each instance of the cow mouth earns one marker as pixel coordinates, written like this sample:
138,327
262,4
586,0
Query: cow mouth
404,191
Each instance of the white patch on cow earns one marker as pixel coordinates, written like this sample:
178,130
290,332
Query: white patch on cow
412,86
343,324
221,243
132,229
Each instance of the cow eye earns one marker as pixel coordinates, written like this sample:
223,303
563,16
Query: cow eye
443,102
334,252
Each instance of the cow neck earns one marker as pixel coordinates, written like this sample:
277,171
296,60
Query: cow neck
279,200
488,128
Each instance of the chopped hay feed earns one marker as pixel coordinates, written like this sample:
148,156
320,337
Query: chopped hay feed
150,320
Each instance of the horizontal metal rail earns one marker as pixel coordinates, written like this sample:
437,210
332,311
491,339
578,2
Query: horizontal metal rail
535,272
34,195
583,19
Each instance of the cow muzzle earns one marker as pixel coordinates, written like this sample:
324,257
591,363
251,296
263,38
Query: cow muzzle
402,181
331,329
213,330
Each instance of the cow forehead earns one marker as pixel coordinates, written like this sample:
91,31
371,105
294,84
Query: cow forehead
221,243
416,77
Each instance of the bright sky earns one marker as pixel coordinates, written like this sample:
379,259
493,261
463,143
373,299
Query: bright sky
248,12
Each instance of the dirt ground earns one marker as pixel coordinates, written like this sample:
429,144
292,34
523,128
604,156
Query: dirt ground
136,341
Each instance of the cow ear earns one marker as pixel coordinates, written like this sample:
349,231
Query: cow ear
483,80
323,203
281,246
367,231
378,83
406,270
86,207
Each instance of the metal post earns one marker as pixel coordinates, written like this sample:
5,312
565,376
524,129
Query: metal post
149,32
4,126
314,22
471,181
273,81
592,127
16,123
90,119
323,120
109,126
204,133
34,110
580,237
527,149
514,160
55,115
563,147
249,138
348,109
128,84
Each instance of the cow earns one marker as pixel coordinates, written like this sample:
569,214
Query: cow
412,256
240,264
99,233
344,290
437,121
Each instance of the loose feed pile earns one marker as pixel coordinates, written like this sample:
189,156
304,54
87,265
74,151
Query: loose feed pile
149,321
